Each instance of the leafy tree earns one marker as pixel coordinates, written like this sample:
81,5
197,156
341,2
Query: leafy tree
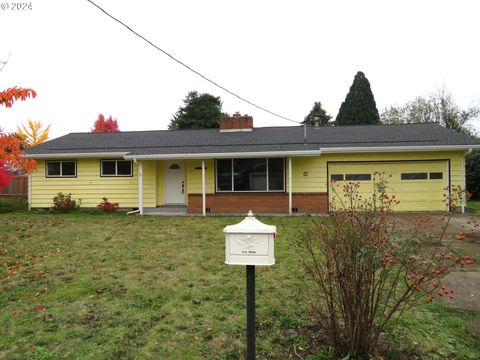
102,125
9,96
439,107
199,111
33,133
11,146
359,106
5,176
317,112
473,173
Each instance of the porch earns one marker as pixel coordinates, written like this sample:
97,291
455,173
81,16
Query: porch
169,186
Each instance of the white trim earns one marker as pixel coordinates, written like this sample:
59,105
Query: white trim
290,202
462,181
154,184
29,195
204,202
140,187
318,152
398,148
237,130
116,168
236,155
77,155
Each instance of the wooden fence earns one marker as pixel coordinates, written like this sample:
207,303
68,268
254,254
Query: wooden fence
17,187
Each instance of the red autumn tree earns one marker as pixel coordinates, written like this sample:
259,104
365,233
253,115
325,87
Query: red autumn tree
5,176
11,146
102,125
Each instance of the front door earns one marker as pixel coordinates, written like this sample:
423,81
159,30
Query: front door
175,182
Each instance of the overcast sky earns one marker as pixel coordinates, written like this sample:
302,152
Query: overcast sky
282,55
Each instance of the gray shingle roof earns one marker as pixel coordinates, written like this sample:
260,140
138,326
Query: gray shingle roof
267,139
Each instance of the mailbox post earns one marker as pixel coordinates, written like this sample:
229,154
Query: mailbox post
250,243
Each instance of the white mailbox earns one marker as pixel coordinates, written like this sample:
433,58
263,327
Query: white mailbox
250,242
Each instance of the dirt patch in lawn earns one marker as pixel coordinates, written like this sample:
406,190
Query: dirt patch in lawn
464,281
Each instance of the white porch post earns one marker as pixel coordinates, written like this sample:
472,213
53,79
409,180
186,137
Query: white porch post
154,183
140,187
290,186
204,204
462,172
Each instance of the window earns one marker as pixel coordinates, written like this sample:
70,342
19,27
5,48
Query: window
436,175
358,177
263,174
336,177
116,168
414,176
61,168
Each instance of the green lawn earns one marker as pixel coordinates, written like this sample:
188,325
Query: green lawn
93,286
474,206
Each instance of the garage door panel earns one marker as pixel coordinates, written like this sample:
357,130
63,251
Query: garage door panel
414,195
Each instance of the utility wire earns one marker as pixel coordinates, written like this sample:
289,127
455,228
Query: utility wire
5,62
188,67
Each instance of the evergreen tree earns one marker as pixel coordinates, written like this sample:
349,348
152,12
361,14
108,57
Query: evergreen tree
359,106
198,112
317,112
473,173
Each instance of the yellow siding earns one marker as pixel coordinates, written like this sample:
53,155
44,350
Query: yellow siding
316,167
309,174
91,187
194,176
148,184
160,183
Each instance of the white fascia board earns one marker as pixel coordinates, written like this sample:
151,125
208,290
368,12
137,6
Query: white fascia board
76,155
338,150
225,155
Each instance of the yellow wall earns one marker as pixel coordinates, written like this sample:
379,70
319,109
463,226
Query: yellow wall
194,176
160,183
316,180
91,187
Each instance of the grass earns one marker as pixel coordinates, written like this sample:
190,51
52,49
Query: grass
473,206
95,286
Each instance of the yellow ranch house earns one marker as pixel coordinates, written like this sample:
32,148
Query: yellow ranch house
238,167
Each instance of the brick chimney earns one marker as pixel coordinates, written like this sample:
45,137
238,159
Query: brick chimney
236,122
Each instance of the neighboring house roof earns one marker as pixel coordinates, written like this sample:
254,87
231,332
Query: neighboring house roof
282,140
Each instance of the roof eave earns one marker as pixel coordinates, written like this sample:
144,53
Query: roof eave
365,149
250,154
76,155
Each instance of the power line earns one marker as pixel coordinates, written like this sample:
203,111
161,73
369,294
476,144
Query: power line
188,67
5,62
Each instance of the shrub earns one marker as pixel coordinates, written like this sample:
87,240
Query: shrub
473,173
107,206
64,203
367,268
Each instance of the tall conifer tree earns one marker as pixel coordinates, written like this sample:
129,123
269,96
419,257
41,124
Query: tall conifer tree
317,112
359,106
